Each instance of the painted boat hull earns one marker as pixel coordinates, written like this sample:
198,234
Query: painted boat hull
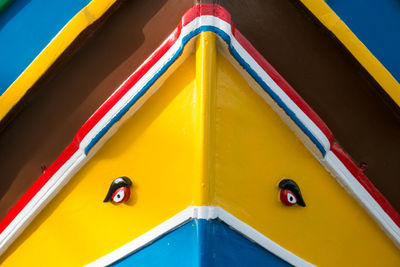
206,129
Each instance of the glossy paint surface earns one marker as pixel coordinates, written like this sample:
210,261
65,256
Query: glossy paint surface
287,36
350,36
202,243
83,87
223,246
26,27
205,138
377,25
253,151
35,35
180,247
157,148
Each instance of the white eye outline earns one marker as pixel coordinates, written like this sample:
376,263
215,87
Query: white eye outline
119,195
291,198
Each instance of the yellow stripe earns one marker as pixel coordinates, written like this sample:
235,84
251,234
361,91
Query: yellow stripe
89,14
206,53
330,20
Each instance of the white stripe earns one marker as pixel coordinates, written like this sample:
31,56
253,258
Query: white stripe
343,175
40,200
139,84
350,183
78,159
202,212
226,27
308,123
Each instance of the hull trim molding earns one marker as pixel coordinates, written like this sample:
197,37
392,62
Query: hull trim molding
200,212
136,89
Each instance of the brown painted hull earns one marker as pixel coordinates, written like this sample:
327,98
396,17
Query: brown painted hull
355,108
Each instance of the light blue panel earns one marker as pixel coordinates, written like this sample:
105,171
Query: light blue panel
26,27
177,248
377,24
202,243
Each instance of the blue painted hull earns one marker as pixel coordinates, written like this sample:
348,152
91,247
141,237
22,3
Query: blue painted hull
26,27
202,242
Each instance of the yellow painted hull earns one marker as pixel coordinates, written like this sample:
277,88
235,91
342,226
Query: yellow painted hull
204,138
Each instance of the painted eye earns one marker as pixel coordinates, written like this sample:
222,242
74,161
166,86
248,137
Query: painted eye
287,197
119,190
291,198
290,193
122,194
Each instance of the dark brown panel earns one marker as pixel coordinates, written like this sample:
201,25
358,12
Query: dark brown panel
312,61
363,119
66,98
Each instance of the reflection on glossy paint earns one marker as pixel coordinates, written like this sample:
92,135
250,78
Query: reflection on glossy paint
202,242
216,143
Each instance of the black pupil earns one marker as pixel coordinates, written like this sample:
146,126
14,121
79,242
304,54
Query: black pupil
291,198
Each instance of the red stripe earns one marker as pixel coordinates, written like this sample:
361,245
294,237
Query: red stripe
339,152
192,13
34,189
221,13
284,85
127,85
95,118
366,183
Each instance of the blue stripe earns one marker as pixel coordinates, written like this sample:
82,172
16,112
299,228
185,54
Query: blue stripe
119,115
269,91
241,61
